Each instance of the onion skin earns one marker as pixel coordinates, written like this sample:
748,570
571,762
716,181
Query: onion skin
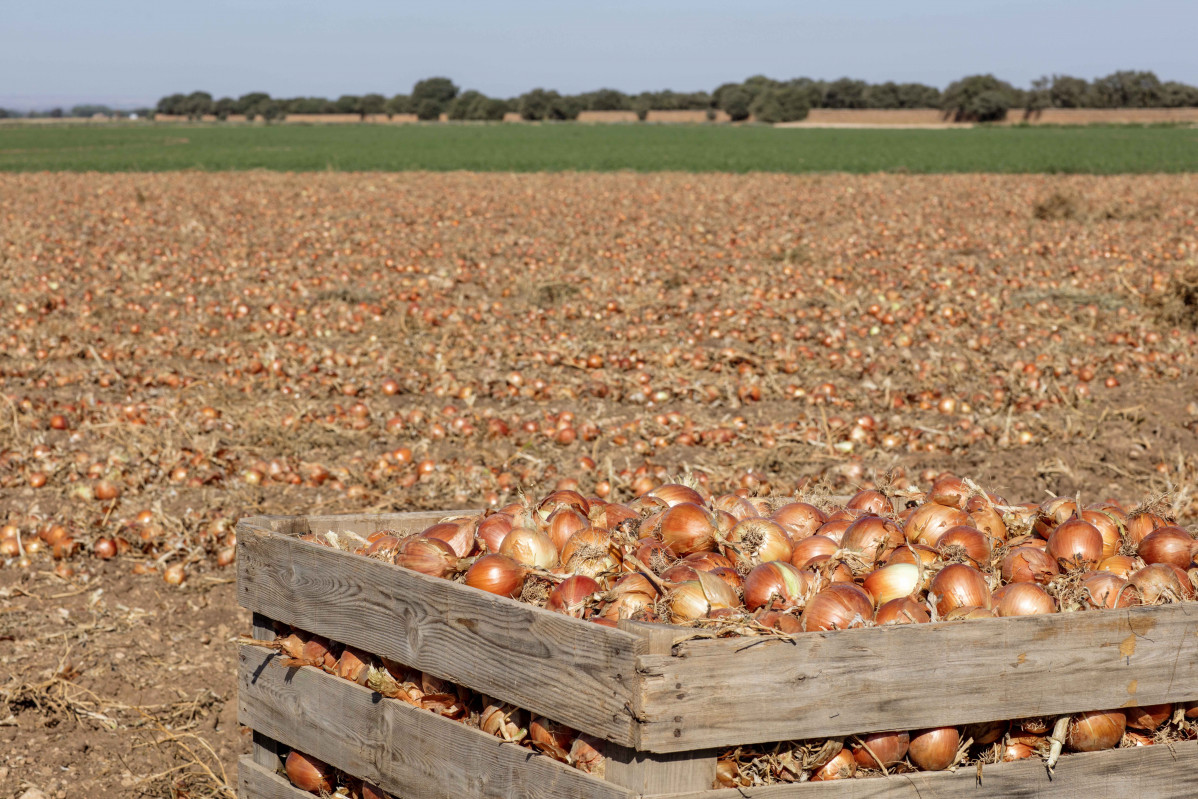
551,738
1167,545
430,556
841,767
497,574
758,540
958,586
930,521
1119,565
950,491
686,528
1148,717
1106,590
777,585
902,611
873,537
673,494
1023,599
934,749
840,606
563,498
695,599
891,582
589,552
1108,528
811,547
973,541
870,501
799,519
914,554
1075,545
571,594
834,529
1141,524
891,747
1096,730
530,547
491,530
1016,751
775,619
309,774
563,523
1159,583
458,533
1027,564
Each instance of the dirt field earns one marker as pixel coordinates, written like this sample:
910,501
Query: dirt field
179,350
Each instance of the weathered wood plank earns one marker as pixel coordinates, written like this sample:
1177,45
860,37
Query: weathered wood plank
367,523
569,670
265,750
1160,772
411,752
741,691
255,782
649,772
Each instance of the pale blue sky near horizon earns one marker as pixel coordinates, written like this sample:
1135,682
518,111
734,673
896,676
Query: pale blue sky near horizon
129,53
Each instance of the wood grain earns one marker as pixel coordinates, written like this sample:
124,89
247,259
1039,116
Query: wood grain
1156,772
741,691
265,750
256,782
569,670
360,523
411,752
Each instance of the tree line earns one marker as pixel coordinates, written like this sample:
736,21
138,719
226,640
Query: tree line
982,98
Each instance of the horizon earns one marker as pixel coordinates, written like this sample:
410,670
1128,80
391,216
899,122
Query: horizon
130,54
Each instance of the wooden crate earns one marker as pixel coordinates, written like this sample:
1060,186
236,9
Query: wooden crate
665,701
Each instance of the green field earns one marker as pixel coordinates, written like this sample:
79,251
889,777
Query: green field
563,147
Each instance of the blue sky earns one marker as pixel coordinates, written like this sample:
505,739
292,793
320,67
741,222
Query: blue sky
129,52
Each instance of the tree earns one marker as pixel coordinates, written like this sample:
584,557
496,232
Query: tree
400,104
247,102
55,113
477,106
536,104
223,107
736,102
432,97
606,100
1067,91
348,104
785,103
979,98
845,93
90,110
197,105
1178,95
371,104
172,104
1126,89
641,106
565,108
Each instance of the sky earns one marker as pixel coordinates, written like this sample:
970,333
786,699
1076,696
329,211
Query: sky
128,53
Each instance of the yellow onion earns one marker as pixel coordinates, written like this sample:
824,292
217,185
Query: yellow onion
934,749
890,747
1192,710
1016,751
1027,564
571,594
381,547
563,523
950,491
589,552
707,561
1141,524
757,540
458,533
497,574
695,599
986,732
811,547
1167,545
986,518
1055,511
309,774
430,556
903,610
915,554
1160,583
840,606
779,620
1119,565
1148,717
610,515
687,528
1096,730
1106,590
799,519
959,586
835,529
841,767
1023,599
673,494
870,501
872,537
1075,544
1107,527
551,737
892,582
563,498
739,507
727,773
530,547
930,521
492,530
967,539
777,585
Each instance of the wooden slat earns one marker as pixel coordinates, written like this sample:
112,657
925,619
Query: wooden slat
265,750
255,782
410,752
742,691
367,523
1159,772
569,670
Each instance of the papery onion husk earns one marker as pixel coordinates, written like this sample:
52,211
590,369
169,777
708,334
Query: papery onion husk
1053,512
497,574
1167,545
695,599
873,537
892,582
383,547
729,575
458,533
1120,565
571,595
680,572
779,620
674,494
318,651
727,773
841,767
930,521
934,749
777,585
757,540
949,490
353,665
871,501
1022,599
530,547
562,524
811,547
563,498
1025,564
586,754
1096,730
430,556
610,515
309,774
551,737
799,519
1160,583
969,540
491,530
1075,545
1106,590
891,747
1141,524
589,552
687,528
903,610
503,721
958,586
653,553
1148,717
840,606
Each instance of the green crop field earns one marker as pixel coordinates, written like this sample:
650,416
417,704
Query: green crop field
566,147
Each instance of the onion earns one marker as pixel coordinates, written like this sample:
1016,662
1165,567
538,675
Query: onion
654,553
586,754
680,572
589,552
551,737
777,585
1023,599
1167,545
873,537
1192,710
430,556
1054,512
903,610
563,499
1119,565
779,620
732,576
799,519
934,749
840,606
892,582
1148,717
949,491
458,533
353,665
673,494
835,529
928,522
870,501
695,599
756,540
492,529
971,540
497,574
1108,528
707,561
687,528
1016,751
727,773
890,747
959,586
1141,524
309,774
915,554
986,732
317,652
571,594
1027,564
1106,590
564,523
530,547
1096,730
1075,545
986,518
841,767
1159,583
812,546
739,507
503,721
381,547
